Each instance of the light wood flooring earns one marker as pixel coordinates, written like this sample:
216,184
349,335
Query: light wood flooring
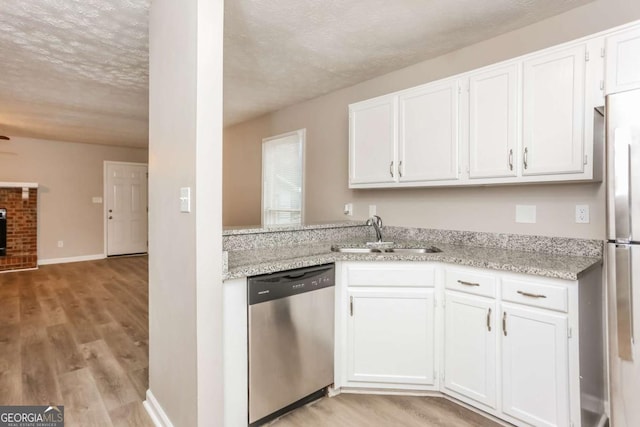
77,335
360,410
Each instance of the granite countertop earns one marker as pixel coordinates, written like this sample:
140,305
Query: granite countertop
258,229
243,263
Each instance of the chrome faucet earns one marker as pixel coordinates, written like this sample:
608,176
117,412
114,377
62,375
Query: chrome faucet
376,222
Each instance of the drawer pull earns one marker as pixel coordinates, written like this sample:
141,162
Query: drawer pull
527,294
489,320
462,282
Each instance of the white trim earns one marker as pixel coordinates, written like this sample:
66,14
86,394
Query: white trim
155,411
70,259
18,184
18,270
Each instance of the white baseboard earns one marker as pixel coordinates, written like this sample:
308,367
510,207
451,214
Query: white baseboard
70,259
155,411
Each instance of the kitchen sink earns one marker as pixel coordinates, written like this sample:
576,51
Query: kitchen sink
429,250
356,250
426,250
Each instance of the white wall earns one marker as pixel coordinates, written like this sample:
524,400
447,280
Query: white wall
489,209
185,249
70,175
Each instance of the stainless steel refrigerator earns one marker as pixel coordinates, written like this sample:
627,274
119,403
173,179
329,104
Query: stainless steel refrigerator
622,117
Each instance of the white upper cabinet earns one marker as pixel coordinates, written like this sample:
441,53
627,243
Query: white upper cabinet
623,61
372,141
553,112
529,119
493,122
428,132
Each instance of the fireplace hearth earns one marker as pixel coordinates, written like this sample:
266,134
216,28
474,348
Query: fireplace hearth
18,226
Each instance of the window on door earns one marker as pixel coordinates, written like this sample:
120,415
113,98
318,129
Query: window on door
282,178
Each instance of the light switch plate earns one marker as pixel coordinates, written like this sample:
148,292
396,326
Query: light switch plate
185,199
96,199
526,214
348,209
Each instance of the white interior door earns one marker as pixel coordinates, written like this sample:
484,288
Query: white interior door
126,197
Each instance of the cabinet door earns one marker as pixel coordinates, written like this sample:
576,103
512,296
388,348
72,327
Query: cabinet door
390,336
372,135
470,347
535,366
622,70
493,122
553,112
428,133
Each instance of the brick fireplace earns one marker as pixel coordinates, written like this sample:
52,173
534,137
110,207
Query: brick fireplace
22,226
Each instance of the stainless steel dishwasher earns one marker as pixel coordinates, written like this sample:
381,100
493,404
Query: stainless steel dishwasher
291,334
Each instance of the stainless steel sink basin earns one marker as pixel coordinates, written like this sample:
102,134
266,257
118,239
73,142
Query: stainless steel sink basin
356,250
427,250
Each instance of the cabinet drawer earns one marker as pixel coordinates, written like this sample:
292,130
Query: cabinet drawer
470,282
403,274
535,294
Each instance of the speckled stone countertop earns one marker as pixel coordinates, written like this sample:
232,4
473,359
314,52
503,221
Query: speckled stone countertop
243,263
258,229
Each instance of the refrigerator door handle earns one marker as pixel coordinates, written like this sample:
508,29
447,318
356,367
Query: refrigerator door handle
622,183
624,301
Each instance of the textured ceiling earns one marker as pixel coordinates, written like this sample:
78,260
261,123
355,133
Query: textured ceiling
281,52
77,70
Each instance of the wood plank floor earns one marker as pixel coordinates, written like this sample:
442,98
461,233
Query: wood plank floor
358,410
77,335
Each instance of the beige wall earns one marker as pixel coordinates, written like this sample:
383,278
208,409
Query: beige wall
69,175
478,208
185,262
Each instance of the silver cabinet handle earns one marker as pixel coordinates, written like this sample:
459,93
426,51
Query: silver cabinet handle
462,282
525,158
391,168
400,169
511,159
489,320
504,323
527,294
351,306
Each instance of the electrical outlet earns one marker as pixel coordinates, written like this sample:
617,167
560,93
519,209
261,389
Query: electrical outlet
60,243
348,209
582,214
372,210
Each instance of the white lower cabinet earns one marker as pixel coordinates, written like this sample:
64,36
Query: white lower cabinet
535,365
390,336
505,343
470,347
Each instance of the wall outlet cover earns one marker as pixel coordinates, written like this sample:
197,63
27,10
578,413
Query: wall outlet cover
372,210
96,199
582,214
348,209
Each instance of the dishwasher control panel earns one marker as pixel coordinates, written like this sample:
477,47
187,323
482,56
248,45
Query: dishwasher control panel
291,282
